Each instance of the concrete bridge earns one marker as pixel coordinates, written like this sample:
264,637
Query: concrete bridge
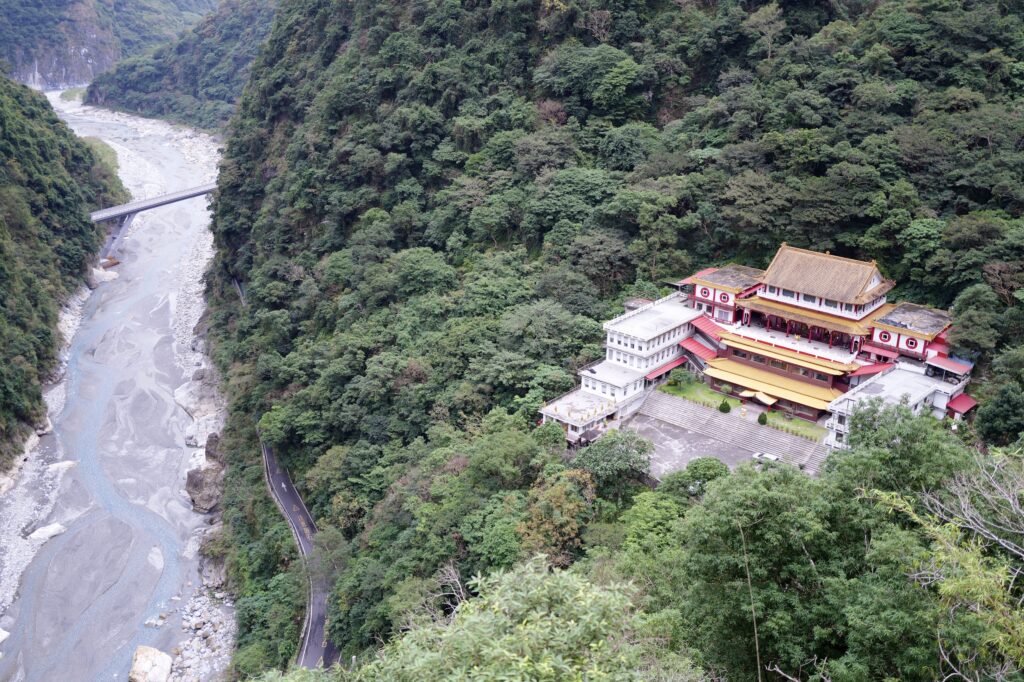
134,207
126,212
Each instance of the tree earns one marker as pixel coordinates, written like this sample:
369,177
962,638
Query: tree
976,553
529,623
690,483
776,523
616,459
1001,418
650,520
976,319
558,509
766,24
892,449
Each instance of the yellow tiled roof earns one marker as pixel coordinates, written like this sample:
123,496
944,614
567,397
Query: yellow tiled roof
825,275
833,367
784,388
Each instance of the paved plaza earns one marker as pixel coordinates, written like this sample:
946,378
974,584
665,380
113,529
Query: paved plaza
682,430
675,446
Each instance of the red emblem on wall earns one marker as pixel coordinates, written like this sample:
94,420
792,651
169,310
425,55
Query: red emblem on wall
911,343
724,298
705,292
884,336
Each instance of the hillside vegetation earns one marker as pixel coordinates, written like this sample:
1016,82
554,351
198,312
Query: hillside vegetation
433,204
49,181
58,43
196,79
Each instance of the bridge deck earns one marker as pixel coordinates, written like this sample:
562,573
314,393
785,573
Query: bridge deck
154,202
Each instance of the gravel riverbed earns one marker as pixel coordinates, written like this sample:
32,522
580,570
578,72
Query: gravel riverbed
99,546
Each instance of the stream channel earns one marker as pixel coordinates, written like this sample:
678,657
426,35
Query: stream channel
98,540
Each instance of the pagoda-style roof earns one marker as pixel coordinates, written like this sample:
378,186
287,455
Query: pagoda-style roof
821,274
915,320
732,278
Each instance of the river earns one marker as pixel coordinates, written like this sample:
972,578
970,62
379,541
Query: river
98,536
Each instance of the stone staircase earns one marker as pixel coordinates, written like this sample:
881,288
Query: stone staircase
736,431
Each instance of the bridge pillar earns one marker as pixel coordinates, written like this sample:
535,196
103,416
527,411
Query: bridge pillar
114,239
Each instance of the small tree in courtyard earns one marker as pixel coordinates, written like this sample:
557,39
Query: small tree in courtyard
617,459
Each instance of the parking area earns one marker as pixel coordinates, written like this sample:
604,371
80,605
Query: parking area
675,446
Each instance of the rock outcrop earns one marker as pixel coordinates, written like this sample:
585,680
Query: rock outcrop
199,397
204,484
212,566
150,665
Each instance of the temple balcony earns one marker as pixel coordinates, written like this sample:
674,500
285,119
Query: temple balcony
792,342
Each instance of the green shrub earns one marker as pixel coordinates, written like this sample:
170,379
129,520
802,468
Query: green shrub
762,418
725,406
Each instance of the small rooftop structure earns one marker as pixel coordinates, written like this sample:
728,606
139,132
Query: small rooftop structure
826,276
631,304
732,278
579,408
915,320
612,373
962,404
654,319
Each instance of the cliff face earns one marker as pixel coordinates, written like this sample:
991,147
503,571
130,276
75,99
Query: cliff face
61,43
196,79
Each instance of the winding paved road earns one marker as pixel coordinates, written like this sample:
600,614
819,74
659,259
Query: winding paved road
315,649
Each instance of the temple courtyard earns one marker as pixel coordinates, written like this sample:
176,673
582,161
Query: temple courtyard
682,431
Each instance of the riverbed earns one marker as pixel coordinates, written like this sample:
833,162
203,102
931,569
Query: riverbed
98,540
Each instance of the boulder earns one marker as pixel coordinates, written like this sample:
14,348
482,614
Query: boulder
46,532
96,277
44,427
214,572
203,486
149,665
213,453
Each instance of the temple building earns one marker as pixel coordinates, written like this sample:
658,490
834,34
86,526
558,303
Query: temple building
812,334
809,328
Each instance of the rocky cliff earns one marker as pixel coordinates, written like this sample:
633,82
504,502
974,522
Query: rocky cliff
60,43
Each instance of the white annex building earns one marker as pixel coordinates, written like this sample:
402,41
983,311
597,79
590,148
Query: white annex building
641,347
917,386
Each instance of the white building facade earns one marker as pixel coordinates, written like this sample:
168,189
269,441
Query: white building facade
641,347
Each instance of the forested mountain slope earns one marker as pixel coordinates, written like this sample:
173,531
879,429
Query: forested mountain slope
60,43
197,79
49,181
432,204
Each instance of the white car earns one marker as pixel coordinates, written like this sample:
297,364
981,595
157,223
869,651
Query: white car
765,457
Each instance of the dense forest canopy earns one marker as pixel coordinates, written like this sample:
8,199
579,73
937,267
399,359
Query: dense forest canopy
433,204
49,180
197,79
